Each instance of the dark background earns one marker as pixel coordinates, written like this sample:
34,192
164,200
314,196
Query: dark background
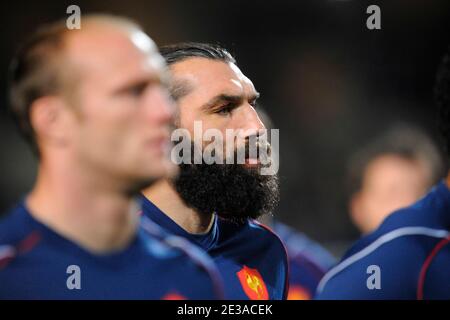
329,83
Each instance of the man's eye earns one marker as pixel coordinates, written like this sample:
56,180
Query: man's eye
227,109
136,90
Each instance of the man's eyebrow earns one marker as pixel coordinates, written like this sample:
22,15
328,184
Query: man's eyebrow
179,88
220,98
254,96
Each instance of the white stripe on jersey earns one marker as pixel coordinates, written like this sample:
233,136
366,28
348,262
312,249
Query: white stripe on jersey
407,231
6,251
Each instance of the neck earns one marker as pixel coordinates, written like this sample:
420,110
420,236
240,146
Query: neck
266,219
78,206
447,180
165,197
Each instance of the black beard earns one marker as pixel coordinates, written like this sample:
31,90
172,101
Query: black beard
232,191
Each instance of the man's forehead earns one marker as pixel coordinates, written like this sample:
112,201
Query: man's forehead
211,76
126,51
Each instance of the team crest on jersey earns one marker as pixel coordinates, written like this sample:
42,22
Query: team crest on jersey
253,284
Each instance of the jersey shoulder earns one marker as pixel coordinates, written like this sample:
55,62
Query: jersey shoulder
14,226
434,273
264,236
301,246
426,216
260,235
180,252
398,249
431,211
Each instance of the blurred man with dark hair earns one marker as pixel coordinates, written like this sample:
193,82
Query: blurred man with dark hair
214,205
408,256
94,105
392,172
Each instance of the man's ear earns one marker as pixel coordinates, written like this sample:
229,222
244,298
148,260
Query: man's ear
50,119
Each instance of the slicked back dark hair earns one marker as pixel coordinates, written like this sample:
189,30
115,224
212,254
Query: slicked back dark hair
33,73
181,51
442,97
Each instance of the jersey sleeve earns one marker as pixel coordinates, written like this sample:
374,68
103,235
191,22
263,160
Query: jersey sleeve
382,270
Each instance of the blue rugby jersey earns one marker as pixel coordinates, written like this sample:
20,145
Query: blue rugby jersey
38,263
407,257
308,261
250,257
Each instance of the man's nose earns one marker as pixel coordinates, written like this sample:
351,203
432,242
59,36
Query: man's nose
250,120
